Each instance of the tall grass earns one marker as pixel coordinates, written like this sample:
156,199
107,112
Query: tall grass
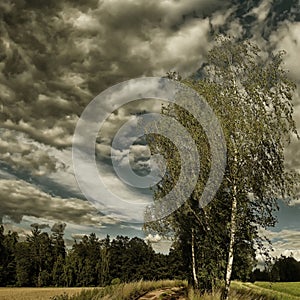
242,291
131,291
125,291
234,295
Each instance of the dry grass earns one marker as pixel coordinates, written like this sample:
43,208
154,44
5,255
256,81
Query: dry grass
239,291
117,292
36,293
134,289
125,291
129,291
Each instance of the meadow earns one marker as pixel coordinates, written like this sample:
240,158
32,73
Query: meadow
34,293
129,291
290,288
239,291
270,290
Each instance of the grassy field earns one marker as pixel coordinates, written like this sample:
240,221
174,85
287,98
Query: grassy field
271,290
36,293
239,291
290,288
121,291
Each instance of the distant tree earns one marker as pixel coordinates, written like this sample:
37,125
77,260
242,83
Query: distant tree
41,260
59,253
8,244
70,269
85,256
260,275
24,269
42,256
285,269
93,247
117,251
104,263
139,256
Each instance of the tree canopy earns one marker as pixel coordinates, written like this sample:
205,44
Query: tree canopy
252,98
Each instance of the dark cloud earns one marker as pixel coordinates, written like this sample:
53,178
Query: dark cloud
20,153
56,57
19,199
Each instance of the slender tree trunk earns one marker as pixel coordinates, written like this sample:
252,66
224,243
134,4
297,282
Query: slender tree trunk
233,225
231,245
194,260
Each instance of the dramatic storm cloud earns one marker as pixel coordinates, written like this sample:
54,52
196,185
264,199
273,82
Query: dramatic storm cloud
56,56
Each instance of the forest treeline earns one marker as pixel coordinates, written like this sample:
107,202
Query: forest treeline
42,259
283,269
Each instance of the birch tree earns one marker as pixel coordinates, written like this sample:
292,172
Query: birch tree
252,97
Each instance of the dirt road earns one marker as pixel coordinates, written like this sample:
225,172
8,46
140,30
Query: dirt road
165,294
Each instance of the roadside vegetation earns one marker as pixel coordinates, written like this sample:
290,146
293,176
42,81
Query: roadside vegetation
124,291
239,291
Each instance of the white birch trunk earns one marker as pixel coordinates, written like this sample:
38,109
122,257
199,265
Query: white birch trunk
194,260
231,245
233,224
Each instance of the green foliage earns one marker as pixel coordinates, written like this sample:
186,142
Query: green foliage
42,260
7,257
36,259
284,269
251,97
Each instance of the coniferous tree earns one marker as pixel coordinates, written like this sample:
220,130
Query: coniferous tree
8,244
59,253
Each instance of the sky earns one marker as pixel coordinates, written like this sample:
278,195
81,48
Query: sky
57,56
